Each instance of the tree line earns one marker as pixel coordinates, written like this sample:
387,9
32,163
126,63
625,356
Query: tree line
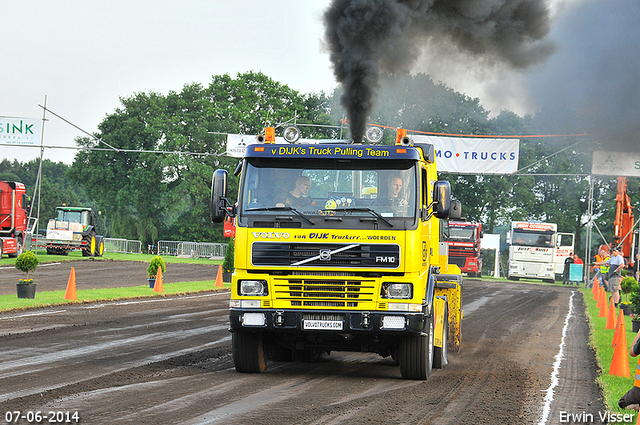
148,167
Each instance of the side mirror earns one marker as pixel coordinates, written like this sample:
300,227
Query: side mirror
441,198
218,196
455,210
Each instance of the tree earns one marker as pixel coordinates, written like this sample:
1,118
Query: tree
153,175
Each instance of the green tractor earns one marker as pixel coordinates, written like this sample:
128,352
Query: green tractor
74,228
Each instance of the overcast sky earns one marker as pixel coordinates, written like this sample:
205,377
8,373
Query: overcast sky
83,55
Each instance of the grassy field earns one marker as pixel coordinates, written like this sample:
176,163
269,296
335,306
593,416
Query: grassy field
48,298
613,387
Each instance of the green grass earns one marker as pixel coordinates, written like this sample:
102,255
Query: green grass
613,387
48,298
77,256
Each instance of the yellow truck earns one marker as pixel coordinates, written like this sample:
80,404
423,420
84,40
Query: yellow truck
339,247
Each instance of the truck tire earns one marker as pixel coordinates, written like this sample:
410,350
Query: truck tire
91,248
99,246
441,354
248,352
1,253
416,354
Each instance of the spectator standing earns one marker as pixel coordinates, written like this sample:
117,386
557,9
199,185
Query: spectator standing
616,264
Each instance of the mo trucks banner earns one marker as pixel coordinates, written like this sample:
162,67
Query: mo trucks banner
609,163
19,131
470,155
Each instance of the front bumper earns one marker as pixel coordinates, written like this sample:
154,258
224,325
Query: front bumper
352,322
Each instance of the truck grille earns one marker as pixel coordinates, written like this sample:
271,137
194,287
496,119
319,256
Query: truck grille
325,255
458,261
324,293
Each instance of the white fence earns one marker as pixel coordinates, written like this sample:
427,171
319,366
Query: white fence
122,245
193,249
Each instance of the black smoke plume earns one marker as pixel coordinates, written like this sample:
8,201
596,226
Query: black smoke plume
370,37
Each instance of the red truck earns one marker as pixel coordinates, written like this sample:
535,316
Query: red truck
13,218
464,246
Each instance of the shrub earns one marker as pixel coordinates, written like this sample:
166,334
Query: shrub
27,262
627,286
634,298
156,263
228,264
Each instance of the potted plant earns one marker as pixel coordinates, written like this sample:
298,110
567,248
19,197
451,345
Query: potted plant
627,286
228,263
152,271
26,262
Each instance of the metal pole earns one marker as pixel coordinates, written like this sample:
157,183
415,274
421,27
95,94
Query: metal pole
39,177
589,228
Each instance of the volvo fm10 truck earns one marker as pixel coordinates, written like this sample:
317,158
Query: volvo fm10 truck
338,247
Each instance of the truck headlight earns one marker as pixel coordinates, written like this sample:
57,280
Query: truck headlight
253,287
397,291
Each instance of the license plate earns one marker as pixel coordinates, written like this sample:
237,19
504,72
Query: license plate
329,325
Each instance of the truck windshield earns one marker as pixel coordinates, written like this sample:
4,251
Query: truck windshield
71,216
528,238
461,233
330,188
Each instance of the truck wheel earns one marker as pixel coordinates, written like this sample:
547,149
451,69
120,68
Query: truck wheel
248,352
441,354
99,246
416,354
1,252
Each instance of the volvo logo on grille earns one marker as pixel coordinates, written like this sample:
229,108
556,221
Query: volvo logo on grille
325,255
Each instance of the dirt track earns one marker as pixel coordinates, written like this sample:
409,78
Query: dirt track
169,361
101,274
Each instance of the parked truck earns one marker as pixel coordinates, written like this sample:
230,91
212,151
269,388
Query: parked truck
13,218
344,262
537,250
464,246
74,228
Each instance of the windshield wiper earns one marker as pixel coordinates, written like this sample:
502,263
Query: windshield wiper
369,210
293,210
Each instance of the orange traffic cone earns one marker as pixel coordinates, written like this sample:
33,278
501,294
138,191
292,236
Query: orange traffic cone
594,288
219,283
616,333
603,304
596,294
611,315
158,286
70,293
620,361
